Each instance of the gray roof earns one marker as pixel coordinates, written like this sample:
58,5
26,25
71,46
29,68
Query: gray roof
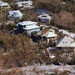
15,13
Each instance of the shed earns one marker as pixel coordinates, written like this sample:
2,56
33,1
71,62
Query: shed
24,4
15,14
4,4
44,17
49,35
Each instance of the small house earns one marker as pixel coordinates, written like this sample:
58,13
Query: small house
44,17
65,42
28,27
4,5
49,34
24,4
15,14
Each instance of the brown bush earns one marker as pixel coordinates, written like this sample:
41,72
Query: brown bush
64,19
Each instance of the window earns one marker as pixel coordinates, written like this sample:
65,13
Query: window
24,26
44,16
24,3
63,42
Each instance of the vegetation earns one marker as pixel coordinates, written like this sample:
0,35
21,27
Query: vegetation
18,50
65,20
63,13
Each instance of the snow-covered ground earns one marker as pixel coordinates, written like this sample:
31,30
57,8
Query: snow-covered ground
64,31
41,70
67,33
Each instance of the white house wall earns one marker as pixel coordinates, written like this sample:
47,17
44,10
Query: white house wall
65,42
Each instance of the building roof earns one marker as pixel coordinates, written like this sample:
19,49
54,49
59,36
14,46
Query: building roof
45,30
27,23
49,34
29,2
45,16
15,13
25,4
66,42
3,3
31,27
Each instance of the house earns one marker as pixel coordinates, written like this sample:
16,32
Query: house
15,14
4,5
49,34
66,42
24,4
44,17
28,27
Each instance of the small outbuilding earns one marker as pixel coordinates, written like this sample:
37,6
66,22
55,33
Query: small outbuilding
50,35
4,5
24,4
44,17
66,43
15,14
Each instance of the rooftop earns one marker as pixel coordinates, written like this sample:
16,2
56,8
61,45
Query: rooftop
15,13
31,27
3,3
44,16
66,42
27,23
49,34
23,2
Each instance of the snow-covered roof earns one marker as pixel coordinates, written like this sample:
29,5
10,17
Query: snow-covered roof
1,1
23,2
44,16
3,4
31,27
27,23
15,13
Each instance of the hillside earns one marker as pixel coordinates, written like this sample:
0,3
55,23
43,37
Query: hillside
17,50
